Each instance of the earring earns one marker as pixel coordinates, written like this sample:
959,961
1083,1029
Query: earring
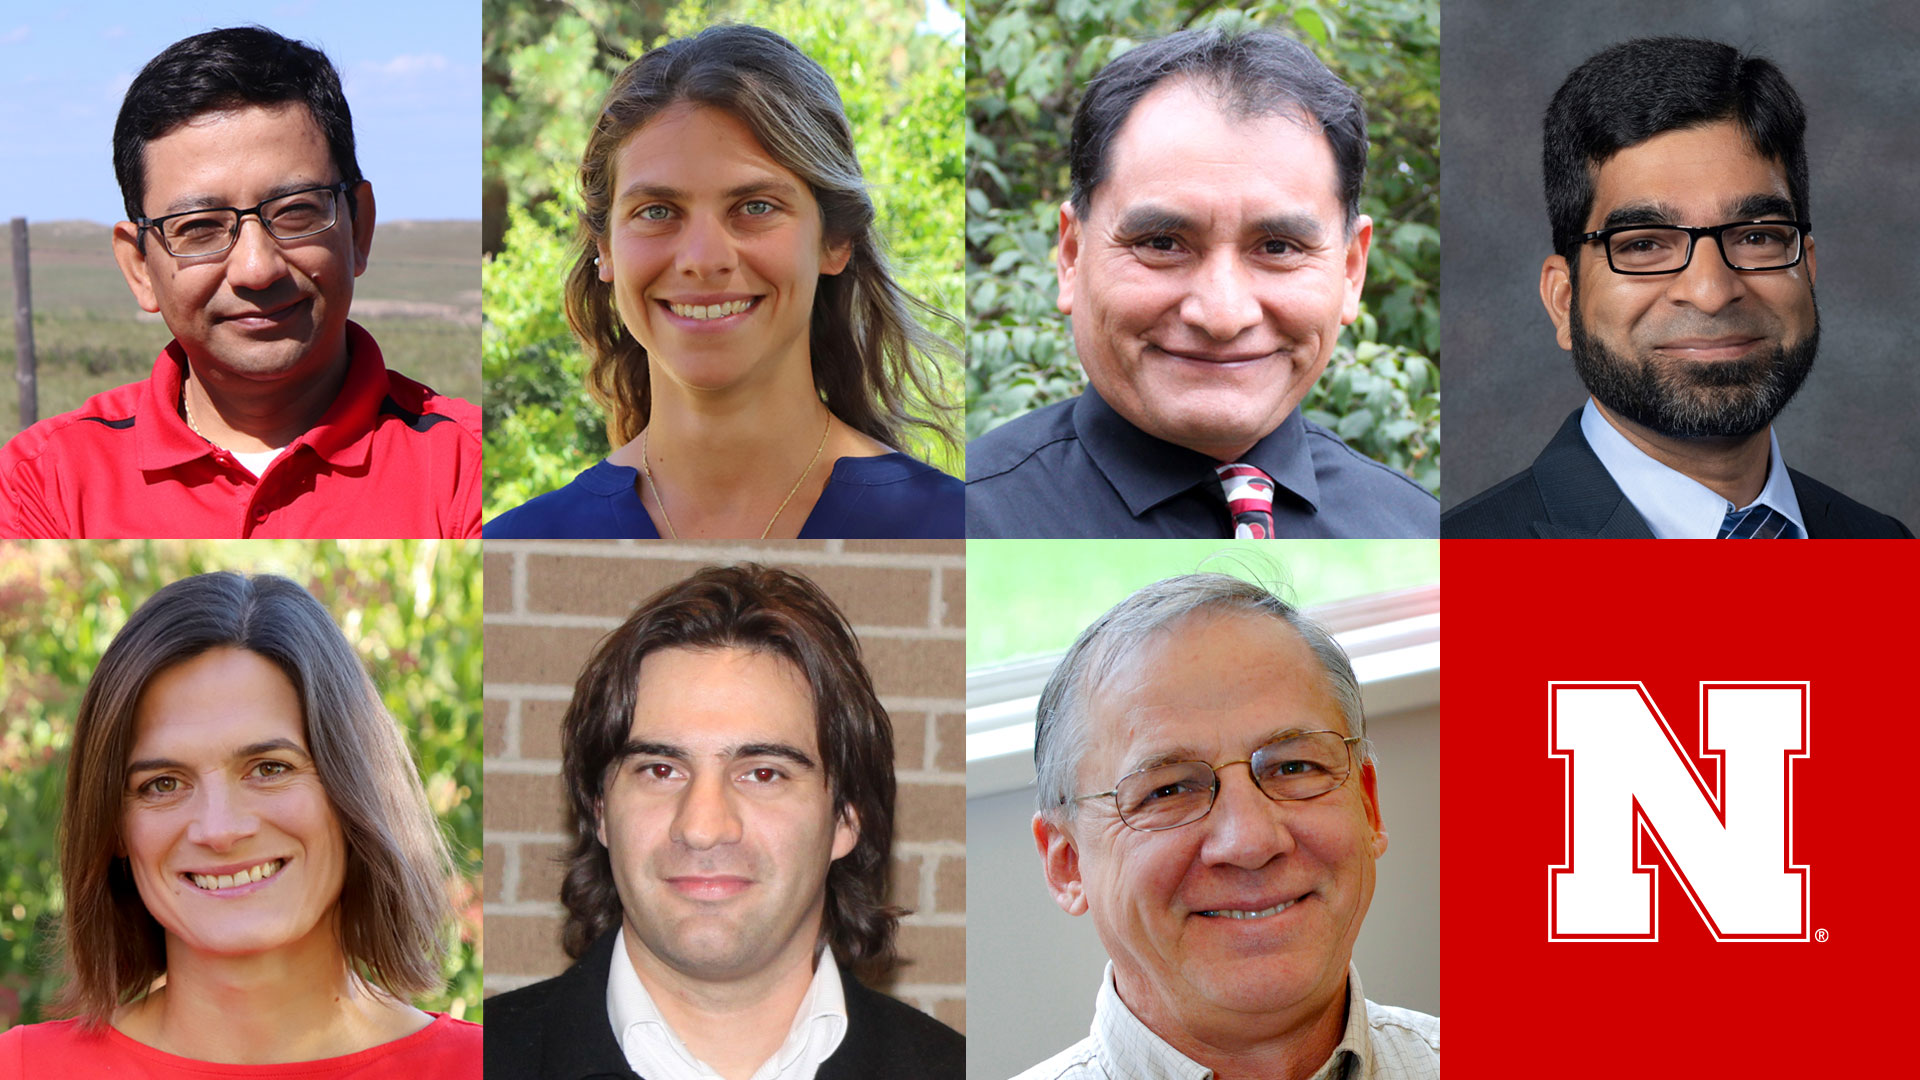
596,260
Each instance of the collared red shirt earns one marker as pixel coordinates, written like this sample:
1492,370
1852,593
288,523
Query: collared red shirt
1380,1042
390,458
656,1051
1675,505
1080,469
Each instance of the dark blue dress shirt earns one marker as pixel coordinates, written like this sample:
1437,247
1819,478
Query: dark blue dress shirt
887,497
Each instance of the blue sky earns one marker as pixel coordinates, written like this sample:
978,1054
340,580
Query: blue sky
411,69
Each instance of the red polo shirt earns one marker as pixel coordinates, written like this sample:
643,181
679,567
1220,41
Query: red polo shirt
390,459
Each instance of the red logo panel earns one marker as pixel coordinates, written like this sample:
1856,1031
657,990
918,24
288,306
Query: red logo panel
1519,616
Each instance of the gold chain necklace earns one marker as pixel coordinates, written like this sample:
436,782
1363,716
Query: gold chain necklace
186,409
661,501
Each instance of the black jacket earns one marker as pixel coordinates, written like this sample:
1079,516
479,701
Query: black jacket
558,1030
1568,494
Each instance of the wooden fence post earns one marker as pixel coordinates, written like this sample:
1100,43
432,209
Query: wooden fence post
23,326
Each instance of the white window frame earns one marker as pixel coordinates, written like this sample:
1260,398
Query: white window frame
1393,638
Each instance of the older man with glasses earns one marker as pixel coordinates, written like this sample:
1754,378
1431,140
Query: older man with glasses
1207,793
269,414
1689,350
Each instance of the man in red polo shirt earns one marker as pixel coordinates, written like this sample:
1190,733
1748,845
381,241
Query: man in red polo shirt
269,414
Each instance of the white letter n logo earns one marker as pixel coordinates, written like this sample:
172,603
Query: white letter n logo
1628,781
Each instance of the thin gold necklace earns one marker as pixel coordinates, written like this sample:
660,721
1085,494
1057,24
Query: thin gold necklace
661,501
186,408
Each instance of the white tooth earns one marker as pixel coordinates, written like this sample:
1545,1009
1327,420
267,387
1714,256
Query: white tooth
272,868
225,881
253,875
713,311
200,880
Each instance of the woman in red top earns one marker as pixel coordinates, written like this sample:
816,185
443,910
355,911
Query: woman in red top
253,878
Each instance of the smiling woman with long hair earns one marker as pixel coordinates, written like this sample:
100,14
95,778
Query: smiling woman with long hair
759,365
252,874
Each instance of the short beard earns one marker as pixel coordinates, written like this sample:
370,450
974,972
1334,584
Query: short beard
1684,399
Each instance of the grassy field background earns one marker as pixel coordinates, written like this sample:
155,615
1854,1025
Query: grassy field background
420,298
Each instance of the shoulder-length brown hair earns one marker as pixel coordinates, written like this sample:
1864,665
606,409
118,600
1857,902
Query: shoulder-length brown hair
393,905
746,607
872,359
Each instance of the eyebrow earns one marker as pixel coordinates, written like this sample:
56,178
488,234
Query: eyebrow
1143,220
1301,226
1187,753
265,746
1152,220
1767,205
672,752
1641,213
201,201
1763,206
771,185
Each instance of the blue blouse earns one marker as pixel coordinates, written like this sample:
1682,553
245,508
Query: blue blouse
887,497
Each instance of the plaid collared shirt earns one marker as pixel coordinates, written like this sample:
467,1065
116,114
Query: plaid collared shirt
1380,1043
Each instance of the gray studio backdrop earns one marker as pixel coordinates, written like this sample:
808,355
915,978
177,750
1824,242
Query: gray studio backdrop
1856,424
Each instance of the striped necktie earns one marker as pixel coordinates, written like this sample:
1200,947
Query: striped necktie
1757,522
1249,499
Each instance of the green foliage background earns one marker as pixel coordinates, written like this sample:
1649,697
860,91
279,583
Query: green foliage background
411,609
546,67
1027,61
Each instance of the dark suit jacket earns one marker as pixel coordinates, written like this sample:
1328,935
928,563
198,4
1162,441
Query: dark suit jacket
1569,494
558,1030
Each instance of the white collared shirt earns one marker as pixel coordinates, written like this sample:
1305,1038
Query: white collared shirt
1675,505
656,1051
1380,1042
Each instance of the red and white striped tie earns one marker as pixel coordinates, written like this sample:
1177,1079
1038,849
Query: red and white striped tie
1249,500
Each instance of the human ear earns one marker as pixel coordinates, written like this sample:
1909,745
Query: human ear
133,265
1069,258
361,201
846,832
1356,269
836,257
1556,293
1060,860
1370,787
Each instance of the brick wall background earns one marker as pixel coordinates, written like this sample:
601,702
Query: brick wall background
549,602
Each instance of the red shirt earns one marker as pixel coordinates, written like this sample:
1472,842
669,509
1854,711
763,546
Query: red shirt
446,1049
390,459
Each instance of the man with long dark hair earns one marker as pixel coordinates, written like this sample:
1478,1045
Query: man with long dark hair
730,784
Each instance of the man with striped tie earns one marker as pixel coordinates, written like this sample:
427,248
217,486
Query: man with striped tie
1682,283
1210,251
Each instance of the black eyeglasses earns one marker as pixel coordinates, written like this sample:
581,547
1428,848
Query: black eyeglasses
1668,249
1178,793
214,229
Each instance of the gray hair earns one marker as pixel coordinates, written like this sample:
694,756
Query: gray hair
1060,725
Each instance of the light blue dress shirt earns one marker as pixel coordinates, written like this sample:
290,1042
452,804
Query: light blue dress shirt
1675,505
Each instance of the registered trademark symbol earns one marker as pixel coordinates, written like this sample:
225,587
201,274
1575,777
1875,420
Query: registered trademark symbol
1820,935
